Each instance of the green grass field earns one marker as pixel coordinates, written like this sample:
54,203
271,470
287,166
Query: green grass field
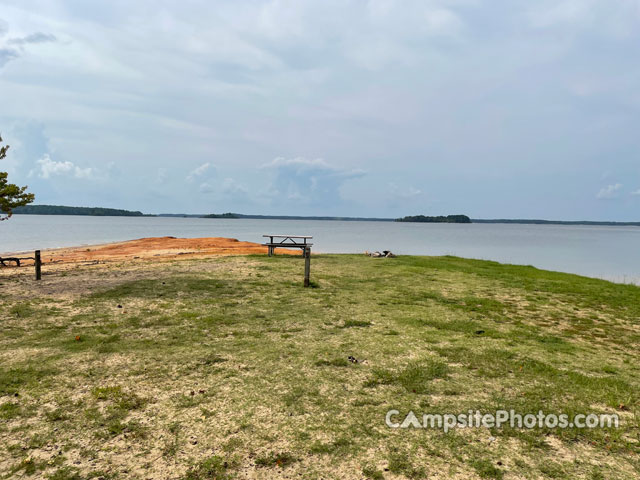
227,368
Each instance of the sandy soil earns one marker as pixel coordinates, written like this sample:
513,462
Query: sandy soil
148,249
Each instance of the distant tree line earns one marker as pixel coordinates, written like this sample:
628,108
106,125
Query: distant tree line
62,210
437,219
222,215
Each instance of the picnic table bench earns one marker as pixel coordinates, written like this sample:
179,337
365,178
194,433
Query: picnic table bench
288,241
37,262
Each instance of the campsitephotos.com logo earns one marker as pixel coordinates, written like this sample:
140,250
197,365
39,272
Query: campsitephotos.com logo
499,419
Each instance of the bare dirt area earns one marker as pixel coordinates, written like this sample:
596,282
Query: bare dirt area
153,247
74,271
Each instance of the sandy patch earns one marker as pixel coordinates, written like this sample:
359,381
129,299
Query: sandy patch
148,249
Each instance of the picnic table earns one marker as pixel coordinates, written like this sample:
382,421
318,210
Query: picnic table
288,241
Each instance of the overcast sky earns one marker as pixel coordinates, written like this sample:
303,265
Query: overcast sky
494,108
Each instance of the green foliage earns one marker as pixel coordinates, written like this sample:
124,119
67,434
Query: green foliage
213,468
9,410
63,210
437,219
11,195
275,459
372,473
486,469
66,473
222,215
12,380
400,464
414,377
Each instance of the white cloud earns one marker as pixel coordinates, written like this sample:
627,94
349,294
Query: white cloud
205,188
311,181
609,192
575,15
298,161
300,164
636,193
14,47
161,175
408,192
198,172
48,168
231,187
561,12
37,37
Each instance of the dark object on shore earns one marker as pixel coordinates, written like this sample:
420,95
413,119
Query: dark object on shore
9,259
37,261
438,219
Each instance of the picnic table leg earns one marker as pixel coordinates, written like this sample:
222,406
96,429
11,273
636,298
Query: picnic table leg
38,263
307,265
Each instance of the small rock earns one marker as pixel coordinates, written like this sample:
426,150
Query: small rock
119,306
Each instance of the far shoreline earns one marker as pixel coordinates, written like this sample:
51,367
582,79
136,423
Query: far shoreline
479,221
63,210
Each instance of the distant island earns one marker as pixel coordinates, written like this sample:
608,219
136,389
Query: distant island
438,219
221,215
62,210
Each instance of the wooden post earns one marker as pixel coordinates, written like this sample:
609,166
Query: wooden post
38,265
307,265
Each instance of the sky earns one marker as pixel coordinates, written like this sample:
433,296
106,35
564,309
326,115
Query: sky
379,108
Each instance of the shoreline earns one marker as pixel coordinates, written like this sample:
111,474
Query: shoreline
167,248
147,248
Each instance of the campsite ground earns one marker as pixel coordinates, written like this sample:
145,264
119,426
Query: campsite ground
225,367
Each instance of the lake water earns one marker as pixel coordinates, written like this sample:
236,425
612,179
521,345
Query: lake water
605,252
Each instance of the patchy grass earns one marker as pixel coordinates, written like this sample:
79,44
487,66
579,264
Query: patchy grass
227,368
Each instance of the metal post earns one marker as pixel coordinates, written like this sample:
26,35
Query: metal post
307,265
38,265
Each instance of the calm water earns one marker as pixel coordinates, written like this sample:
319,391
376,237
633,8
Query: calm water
606,252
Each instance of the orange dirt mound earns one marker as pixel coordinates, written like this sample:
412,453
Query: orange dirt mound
156,247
